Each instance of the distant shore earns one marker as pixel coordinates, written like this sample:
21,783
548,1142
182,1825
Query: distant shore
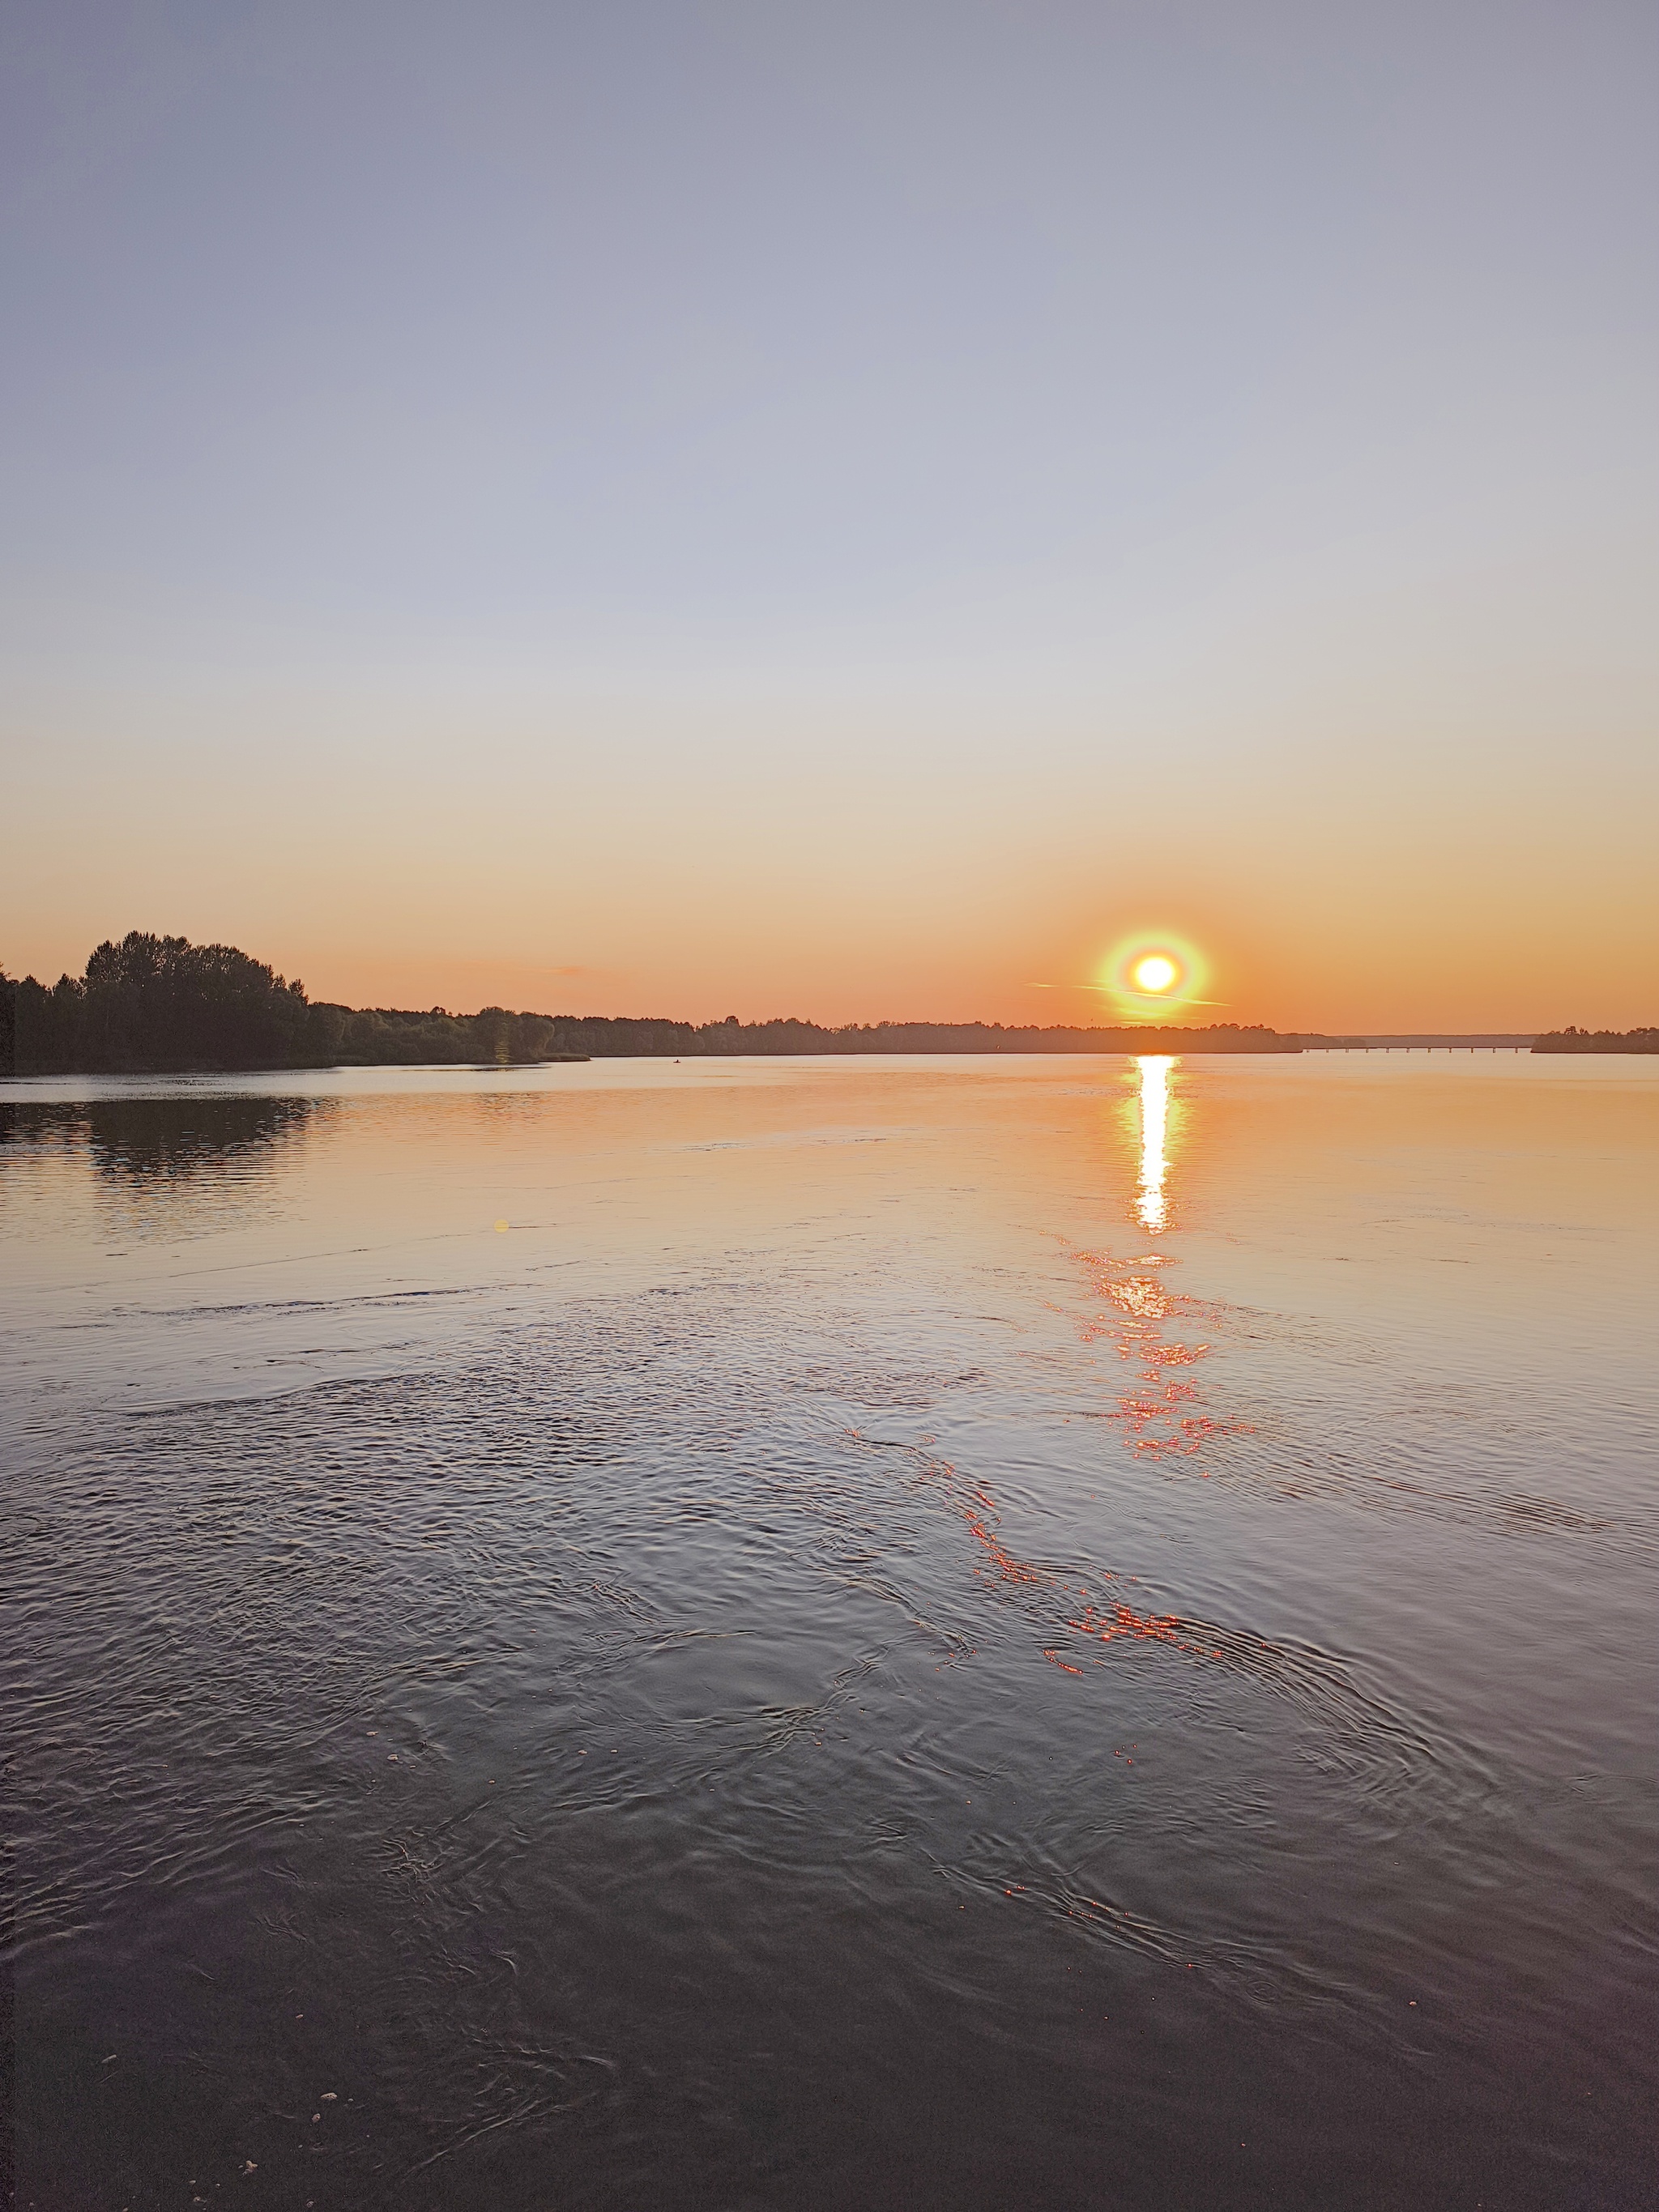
159,1005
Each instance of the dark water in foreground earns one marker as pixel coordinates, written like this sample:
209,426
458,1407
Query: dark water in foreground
835,1634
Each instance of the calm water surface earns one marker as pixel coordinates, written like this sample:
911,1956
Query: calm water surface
851,1633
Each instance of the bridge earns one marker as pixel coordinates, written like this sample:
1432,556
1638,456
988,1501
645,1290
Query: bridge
1487,1042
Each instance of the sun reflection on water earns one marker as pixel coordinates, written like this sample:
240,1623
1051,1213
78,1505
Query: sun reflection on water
1152,1208
1160,1416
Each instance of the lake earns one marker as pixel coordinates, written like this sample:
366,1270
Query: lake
836,1633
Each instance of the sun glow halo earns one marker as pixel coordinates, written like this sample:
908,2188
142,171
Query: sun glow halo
1154,975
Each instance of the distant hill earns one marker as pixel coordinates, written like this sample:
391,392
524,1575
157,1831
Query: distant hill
161,1005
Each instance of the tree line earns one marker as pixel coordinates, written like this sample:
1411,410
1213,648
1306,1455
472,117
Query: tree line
161,1005
1575,1040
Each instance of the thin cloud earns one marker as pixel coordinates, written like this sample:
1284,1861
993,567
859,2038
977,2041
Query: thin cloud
1146,998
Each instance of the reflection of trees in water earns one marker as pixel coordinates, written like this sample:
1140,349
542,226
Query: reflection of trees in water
154,1144
149,1140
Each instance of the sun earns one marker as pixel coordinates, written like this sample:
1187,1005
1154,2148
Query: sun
1156,974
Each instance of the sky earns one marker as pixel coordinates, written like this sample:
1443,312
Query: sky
854,511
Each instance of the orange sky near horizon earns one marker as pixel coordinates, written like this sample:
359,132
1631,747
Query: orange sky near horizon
1455,968
861,883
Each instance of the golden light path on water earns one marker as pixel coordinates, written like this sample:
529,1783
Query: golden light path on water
1152,1207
